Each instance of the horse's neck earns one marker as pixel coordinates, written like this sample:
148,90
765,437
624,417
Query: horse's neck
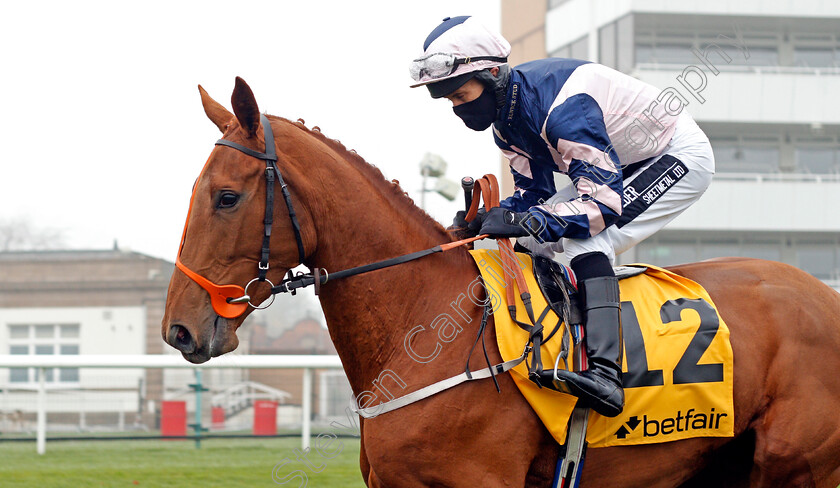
369,315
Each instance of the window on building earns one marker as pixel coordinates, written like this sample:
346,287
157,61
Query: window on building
563,52
580,48
818,160
674,53
769,251
18,375
722,249
819,256
816,50
667,53
69,375
815,57
644,53
710,248
820,261
679,49
746,155
607,51
19,332
809,50
753,49
667,253
759,56
44,340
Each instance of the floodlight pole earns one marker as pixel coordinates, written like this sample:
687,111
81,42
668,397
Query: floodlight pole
425,172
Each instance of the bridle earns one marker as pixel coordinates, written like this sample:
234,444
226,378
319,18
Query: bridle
231,301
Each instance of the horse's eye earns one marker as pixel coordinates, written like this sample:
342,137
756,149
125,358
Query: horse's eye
227,199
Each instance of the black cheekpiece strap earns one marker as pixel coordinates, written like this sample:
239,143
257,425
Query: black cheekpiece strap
271,169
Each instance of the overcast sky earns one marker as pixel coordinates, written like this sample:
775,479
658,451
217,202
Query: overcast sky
102,128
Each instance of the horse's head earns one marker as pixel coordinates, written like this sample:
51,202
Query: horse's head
221,245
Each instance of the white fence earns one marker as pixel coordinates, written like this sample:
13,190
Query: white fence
45,364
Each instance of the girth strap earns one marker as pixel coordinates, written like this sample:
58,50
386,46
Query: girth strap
440,386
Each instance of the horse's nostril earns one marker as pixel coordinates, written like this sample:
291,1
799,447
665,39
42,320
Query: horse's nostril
181,339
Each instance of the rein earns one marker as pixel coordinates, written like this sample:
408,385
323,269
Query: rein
319,276
231,301
488,188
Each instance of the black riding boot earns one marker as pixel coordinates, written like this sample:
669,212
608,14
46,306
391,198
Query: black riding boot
599,387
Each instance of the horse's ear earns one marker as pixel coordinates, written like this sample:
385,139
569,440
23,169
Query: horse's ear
215,111
245,107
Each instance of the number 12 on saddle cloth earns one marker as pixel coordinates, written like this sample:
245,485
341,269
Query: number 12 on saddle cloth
677,364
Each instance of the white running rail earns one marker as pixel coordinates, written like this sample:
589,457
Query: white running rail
307,363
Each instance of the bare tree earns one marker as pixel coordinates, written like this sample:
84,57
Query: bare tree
18,234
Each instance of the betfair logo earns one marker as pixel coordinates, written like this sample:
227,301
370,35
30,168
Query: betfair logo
680,423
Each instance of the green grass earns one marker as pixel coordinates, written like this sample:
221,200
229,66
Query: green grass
219,463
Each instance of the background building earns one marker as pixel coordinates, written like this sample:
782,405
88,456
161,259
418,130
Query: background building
83,302
77,302
760,78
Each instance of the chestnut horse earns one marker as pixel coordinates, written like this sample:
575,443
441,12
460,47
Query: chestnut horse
785,330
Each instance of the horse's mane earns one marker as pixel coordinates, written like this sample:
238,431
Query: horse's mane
370,171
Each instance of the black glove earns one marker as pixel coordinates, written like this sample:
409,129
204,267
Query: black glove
470,229
459,222
500,222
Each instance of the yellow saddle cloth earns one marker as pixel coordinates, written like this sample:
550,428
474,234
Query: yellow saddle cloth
677,359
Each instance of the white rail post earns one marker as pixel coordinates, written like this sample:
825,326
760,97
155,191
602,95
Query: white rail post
7,425
42,412
306,426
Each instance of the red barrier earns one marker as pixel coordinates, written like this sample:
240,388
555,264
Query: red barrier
173,418
265,417
217,416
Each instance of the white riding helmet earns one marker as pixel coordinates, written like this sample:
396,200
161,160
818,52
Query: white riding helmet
457,47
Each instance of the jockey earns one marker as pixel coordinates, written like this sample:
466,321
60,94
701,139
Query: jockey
635,159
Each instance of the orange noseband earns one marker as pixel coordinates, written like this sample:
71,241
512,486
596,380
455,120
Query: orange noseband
219,294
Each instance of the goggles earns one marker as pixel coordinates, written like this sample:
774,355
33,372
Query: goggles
440,65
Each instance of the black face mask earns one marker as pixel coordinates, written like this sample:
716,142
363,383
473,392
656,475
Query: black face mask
480,113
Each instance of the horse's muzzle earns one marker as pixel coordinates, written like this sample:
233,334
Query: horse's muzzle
199,346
